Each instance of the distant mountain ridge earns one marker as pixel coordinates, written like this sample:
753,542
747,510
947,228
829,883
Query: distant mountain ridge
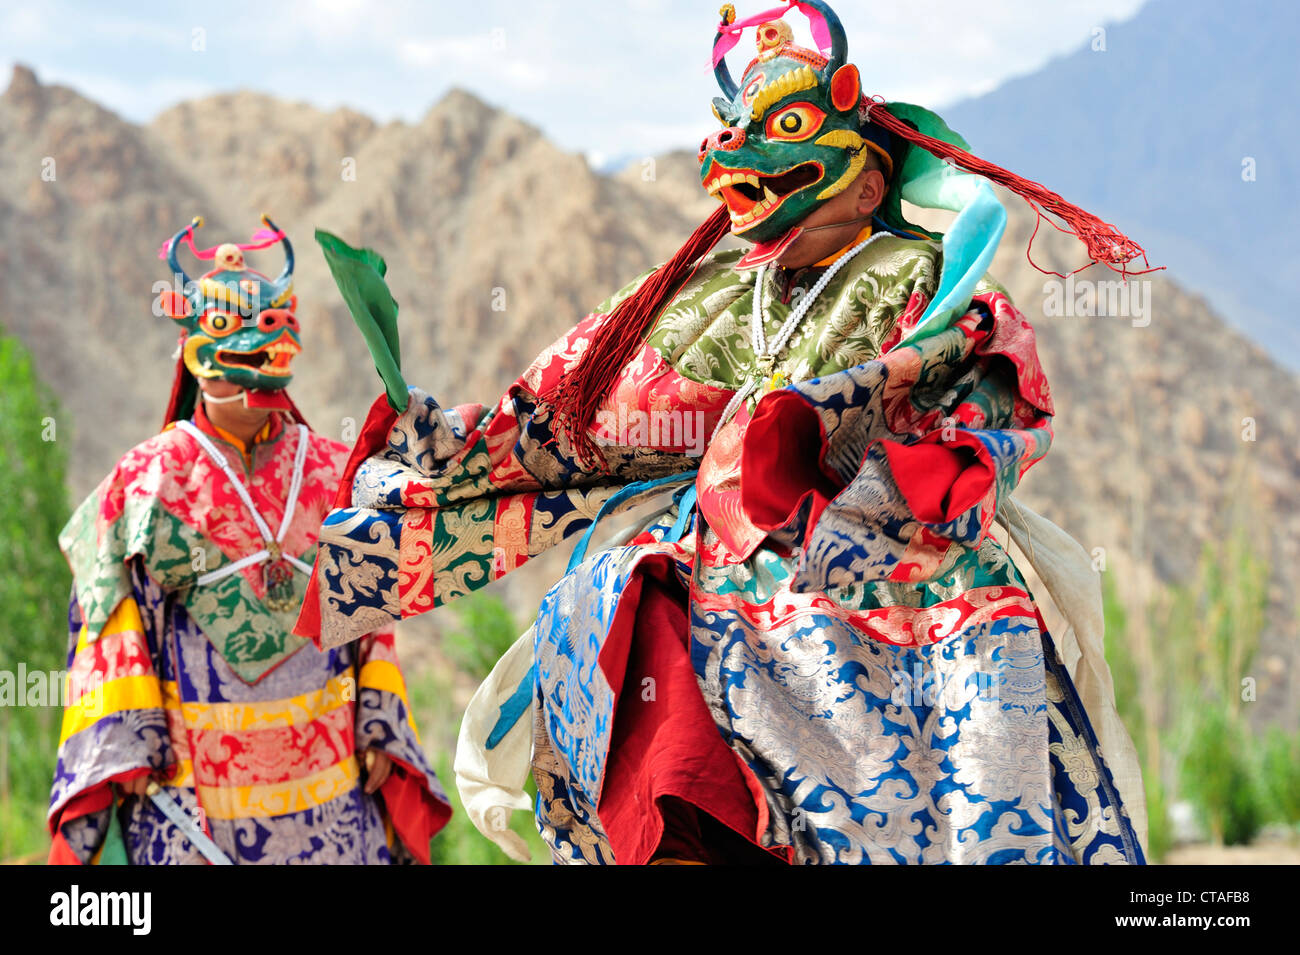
1183,131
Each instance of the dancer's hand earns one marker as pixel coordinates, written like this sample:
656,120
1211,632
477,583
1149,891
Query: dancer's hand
378,767
136,786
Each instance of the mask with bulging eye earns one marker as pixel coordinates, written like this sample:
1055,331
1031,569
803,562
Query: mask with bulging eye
239,325
792,132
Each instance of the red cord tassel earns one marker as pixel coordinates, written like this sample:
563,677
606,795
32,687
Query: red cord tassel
576,399
178,385
1104,242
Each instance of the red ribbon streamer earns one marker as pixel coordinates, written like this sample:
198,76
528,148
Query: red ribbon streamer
261,239
730,33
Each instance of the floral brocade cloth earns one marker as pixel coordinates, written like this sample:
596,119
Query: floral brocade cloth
878,681
256,735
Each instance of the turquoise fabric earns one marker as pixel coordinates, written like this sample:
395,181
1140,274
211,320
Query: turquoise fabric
631,490
968,250
113,851
927,181
515,707
685,499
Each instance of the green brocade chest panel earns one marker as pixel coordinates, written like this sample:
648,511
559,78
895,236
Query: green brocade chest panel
705,332
250,636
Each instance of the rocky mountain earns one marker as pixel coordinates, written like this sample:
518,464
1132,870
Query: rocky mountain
497,241
1179,125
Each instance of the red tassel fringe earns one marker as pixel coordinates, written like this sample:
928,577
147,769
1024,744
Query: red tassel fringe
1104,242
178,383
577,397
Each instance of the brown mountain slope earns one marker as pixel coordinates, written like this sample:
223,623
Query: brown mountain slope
297,150
85,199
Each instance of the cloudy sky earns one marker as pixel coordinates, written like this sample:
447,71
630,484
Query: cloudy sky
620,78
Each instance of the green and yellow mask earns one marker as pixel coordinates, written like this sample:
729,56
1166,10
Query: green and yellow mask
792,129
239,325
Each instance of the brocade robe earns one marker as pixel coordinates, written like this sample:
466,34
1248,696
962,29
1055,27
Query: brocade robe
256,734
818,653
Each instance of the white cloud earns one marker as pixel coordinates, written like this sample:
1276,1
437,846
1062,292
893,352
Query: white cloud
426,53
25,25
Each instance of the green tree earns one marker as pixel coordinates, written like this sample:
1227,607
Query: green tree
1179,657
34,587
487,630
483,630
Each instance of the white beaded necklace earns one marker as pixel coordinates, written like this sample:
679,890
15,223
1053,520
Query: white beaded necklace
765,352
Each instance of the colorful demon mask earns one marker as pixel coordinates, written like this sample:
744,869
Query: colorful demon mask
238,323
792,133
796,132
